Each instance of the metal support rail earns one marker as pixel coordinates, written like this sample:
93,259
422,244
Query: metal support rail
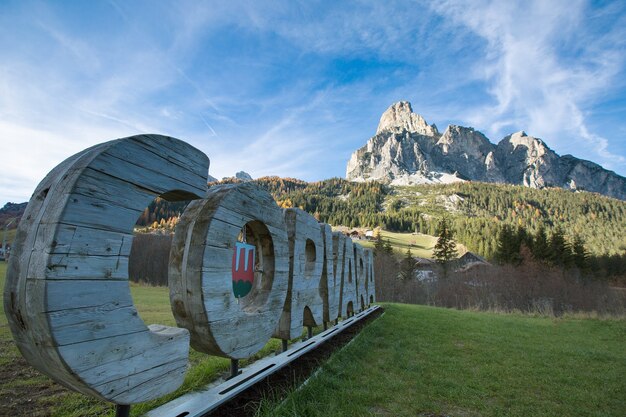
197,404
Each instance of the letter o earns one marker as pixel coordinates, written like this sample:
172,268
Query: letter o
200,271
67,297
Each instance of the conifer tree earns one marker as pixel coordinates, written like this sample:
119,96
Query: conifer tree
579,253
540,247
559,251
387,247
379,245
508,246
407,267
445,248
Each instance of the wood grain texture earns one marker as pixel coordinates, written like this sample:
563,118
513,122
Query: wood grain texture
370,286
304,305
331,275
361,278
67,298
200,270
339,251
349,285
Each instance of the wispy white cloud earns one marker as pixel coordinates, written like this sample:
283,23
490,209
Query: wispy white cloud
545,63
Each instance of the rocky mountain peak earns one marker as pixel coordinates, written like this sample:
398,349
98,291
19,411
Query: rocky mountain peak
522,139
461,139
399,117
406,150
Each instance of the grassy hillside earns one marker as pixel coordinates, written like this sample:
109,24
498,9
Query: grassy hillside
425,361
478,210
421,245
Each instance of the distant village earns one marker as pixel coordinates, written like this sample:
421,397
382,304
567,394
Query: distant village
426,269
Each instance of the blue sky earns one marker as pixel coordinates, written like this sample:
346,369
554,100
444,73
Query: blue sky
292,88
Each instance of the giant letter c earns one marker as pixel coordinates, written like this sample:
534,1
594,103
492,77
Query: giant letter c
67,297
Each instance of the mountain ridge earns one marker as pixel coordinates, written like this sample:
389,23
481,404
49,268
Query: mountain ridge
407,150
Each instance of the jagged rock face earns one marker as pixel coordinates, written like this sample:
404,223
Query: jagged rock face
467,152
528,161
387,156
408,150
586,175
399,117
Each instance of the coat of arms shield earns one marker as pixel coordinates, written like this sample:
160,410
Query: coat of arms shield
243,269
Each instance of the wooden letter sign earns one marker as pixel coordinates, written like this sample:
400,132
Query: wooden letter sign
67,297
240,270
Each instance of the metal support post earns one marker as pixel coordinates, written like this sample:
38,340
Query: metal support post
122,410
234,367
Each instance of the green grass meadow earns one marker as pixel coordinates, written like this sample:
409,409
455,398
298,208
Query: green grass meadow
412,361
426,361
421,245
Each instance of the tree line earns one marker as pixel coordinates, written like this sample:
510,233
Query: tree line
482,217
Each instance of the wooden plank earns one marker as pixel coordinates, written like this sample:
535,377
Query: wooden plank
97,366
94,323
69,267
66,283
160,169
155,181
92,358
104,187
147,382
177,152
80,240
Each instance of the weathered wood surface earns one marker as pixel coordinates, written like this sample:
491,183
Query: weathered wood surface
200,270
370,286
331,274
304,305
339,249
361,277
67,297
349,285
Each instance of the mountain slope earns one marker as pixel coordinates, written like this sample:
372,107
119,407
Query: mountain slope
406,150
